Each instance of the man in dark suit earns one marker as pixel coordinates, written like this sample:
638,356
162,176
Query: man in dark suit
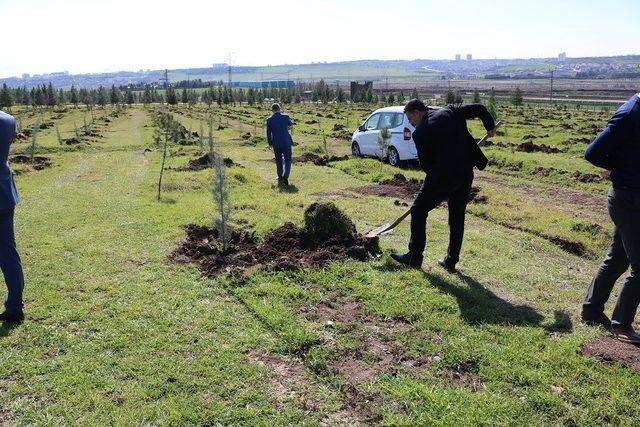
280,139
447,153
9,258
617,149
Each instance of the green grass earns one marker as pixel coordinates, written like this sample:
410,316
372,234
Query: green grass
117,334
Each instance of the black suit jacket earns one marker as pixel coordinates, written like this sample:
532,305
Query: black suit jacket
445,147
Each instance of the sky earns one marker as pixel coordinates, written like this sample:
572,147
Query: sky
83,36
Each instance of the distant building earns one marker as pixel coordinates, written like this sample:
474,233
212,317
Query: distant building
357,88
26,76
469,57
458,57
562,56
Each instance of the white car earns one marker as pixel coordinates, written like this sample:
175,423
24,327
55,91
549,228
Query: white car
365,140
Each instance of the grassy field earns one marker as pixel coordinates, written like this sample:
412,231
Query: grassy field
116,334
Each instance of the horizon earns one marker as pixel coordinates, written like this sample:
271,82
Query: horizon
198,34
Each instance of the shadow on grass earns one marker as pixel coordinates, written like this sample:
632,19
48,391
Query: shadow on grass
290,189
7,327
478,305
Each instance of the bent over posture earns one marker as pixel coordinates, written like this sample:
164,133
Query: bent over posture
447,153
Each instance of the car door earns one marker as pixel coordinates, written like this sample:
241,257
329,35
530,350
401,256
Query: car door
369,136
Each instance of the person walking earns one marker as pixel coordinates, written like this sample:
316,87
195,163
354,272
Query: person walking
280,139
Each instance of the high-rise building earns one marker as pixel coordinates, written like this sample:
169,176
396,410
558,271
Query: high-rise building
458,57
562,56
469,57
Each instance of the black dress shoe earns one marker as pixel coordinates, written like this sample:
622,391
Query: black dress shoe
285,181
11,317
451,268
597,320
406,259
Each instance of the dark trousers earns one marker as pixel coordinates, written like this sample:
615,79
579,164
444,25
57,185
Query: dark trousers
431,194
283,160
624,209
10,263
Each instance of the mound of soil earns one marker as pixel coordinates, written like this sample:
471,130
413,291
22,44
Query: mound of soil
203,162
46,125
38,163
311,122
289,247
318,160
246,136
611,351
24,134
587,177
72,141
338,127
530,147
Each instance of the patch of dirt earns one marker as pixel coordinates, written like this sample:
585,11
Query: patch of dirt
284,248
72,141
338,127
38,163
203,162
311,122
530,147
588,177
318,160
612,352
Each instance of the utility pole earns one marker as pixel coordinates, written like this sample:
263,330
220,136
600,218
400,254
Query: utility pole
166,79
229,69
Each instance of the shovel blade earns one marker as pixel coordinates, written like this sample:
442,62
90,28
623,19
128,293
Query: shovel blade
377,231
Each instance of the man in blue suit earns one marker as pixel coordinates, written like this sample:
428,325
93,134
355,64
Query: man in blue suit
617,149
9,258
280,139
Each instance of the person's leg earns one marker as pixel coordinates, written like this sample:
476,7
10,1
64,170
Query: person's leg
287,162
278,154
428,198
10,263
614,264
626,215
457,205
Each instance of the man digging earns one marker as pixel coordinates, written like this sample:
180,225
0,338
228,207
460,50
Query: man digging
447,153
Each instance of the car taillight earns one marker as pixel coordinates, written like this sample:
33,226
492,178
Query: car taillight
407,134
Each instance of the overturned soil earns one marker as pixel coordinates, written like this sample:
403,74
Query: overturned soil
318,160
203,162
530,147
38,163
285,248
401,187
613,352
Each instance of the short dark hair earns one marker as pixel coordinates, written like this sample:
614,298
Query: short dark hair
415,105
275,107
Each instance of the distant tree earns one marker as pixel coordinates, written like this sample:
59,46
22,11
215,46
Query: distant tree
73,96
115,96
50,97
450,97
185,96
414,94
516,97
458,98
476,97
6,98
391,99
492,110
172,98
61,98
192,98
130,99
401,98
102,96
492,96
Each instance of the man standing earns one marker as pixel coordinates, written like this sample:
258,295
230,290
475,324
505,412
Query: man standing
447,153
279,138
9,258
617,149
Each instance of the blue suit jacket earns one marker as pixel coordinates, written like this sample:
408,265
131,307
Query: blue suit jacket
617,148
278,130
8,192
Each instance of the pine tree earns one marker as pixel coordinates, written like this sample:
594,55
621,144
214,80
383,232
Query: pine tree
476,97
414,94
60,141
185,96
458,98
449,97
492,96
516,97
6,98
172,98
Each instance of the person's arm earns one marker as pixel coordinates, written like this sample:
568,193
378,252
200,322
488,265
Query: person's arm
478,111
615,133
269,133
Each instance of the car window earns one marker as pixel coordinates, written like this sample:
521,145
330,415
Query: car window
386,121
372,123
398,120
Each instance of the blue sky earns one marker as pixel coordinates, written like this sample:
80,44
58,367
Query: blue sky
95,36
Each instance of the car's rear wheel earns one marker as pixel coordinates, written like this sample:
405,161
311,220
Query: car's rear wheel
393,157
355,149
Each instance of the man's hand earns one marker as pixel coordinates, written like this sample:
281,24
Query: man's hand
491,133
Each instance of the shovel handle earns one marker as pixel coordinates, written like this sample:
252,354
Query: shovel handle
484,138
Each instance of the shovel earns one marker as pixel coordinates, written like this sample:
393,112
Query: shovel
384,229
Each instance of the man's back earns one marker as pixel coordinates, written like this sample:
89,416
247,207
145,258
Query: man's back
278,130
617,148
8,192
